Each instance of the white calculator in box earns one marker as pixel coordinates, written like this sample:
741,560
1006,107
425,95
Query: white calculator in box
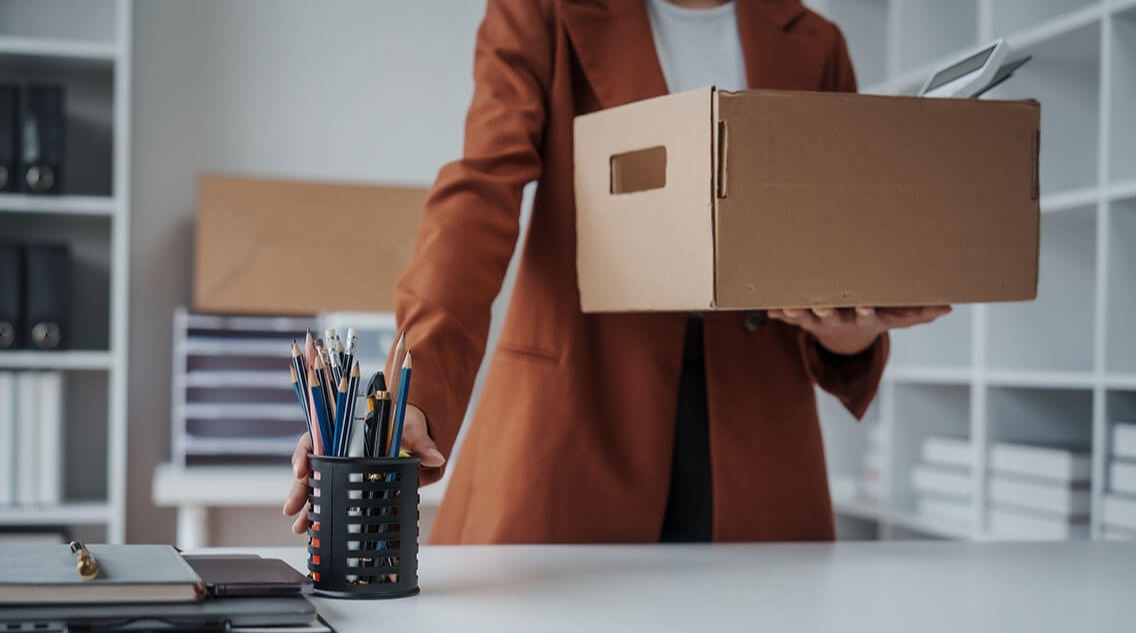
974,74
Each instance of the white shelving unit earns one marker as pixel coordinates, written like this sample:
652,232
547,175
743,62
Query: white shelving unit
86,46
1062,368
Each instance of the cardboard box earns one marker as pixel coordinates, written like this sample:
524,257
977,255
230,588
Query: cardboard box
286,247
709,200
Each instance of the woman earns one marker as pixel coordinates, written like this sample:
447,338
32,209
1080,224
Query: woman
615,427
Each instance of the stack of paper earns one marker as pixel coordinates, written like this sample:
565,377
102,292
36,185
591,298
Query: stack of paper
942,481
1119,515
1039,492
31,438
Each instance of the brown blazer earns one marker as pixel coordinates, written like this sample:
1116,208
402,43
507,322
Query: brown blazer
573,435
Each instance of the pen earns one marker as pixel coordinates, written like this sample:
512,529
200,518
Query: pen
400,408
382,402
85,564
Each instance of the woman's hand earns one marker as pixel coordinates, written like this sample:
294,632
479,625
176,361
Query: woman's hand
415,440
849,332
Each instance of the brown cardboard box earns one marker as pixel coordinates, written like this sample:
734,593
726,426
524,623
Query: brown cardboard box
287,247
709,200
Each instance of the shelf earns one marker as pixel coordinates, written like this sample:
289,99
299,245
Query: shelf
1055,331
1120,335
943,343
1064,75
928,375
52,48
851,507
1032,21
857,509
62,360
1120,381
1123,190
929,526
1041,379
82,513
932,29
922,411
1122,142
1084,199
1058,417
62,205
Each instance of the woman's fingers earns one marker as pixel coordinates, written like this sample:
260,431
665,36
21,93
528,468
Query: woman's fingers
300,525
300,456
297,497
416,439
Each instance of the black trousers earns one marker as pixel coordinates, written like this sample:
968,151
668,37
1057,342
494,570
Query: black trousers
689,517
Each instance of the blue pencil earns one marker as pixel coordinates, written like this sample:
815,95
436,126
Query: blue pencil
299,389
340,421
400,408
321,412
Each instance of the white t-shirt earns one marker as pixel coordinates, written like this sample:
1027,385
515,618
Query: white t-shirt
698,47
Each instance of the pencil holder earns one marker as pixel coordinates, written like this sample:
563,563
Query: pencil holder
363,539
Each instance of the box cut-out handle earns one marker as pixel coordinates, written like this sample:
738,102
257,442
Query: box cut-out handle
639,170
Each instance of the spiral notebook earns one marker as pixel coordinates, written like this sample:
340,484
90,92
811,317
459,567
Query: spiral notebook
46,574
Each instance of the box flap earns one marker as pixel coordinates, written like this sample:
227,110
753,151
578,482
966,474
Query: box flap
809,175
644,205
286,247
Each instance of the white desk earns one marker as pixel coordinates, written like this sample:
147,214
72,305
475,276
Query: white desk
905,587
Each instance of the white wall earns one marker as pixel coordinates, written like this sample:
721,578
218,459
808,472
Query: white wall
357,90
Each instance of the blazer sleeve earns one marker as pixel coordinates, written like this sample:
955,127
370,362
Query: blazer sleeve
470,220
854,380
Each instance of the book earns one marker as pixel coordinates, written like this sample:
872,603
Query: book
7,439
941,480
947,451
1122,477
1124,439
1040,494
45,574
1044,462
51,438
1015,523
1120,511
27,437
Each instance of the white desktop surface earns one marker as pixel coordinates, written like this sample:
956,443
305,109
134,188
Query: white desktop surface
907,587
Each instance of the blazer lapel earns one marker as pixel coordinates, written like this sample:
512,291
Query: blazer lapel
615,48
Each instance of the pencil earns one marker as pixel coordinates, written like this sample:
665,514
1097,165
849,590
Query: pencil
349,406
340,412
396,362
400,408
383,418
352,343
309,361
299,389
300,376
321,411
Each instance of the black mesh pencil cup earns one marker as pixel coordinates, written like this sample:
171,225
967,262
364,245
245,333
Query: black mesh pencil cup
363,539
